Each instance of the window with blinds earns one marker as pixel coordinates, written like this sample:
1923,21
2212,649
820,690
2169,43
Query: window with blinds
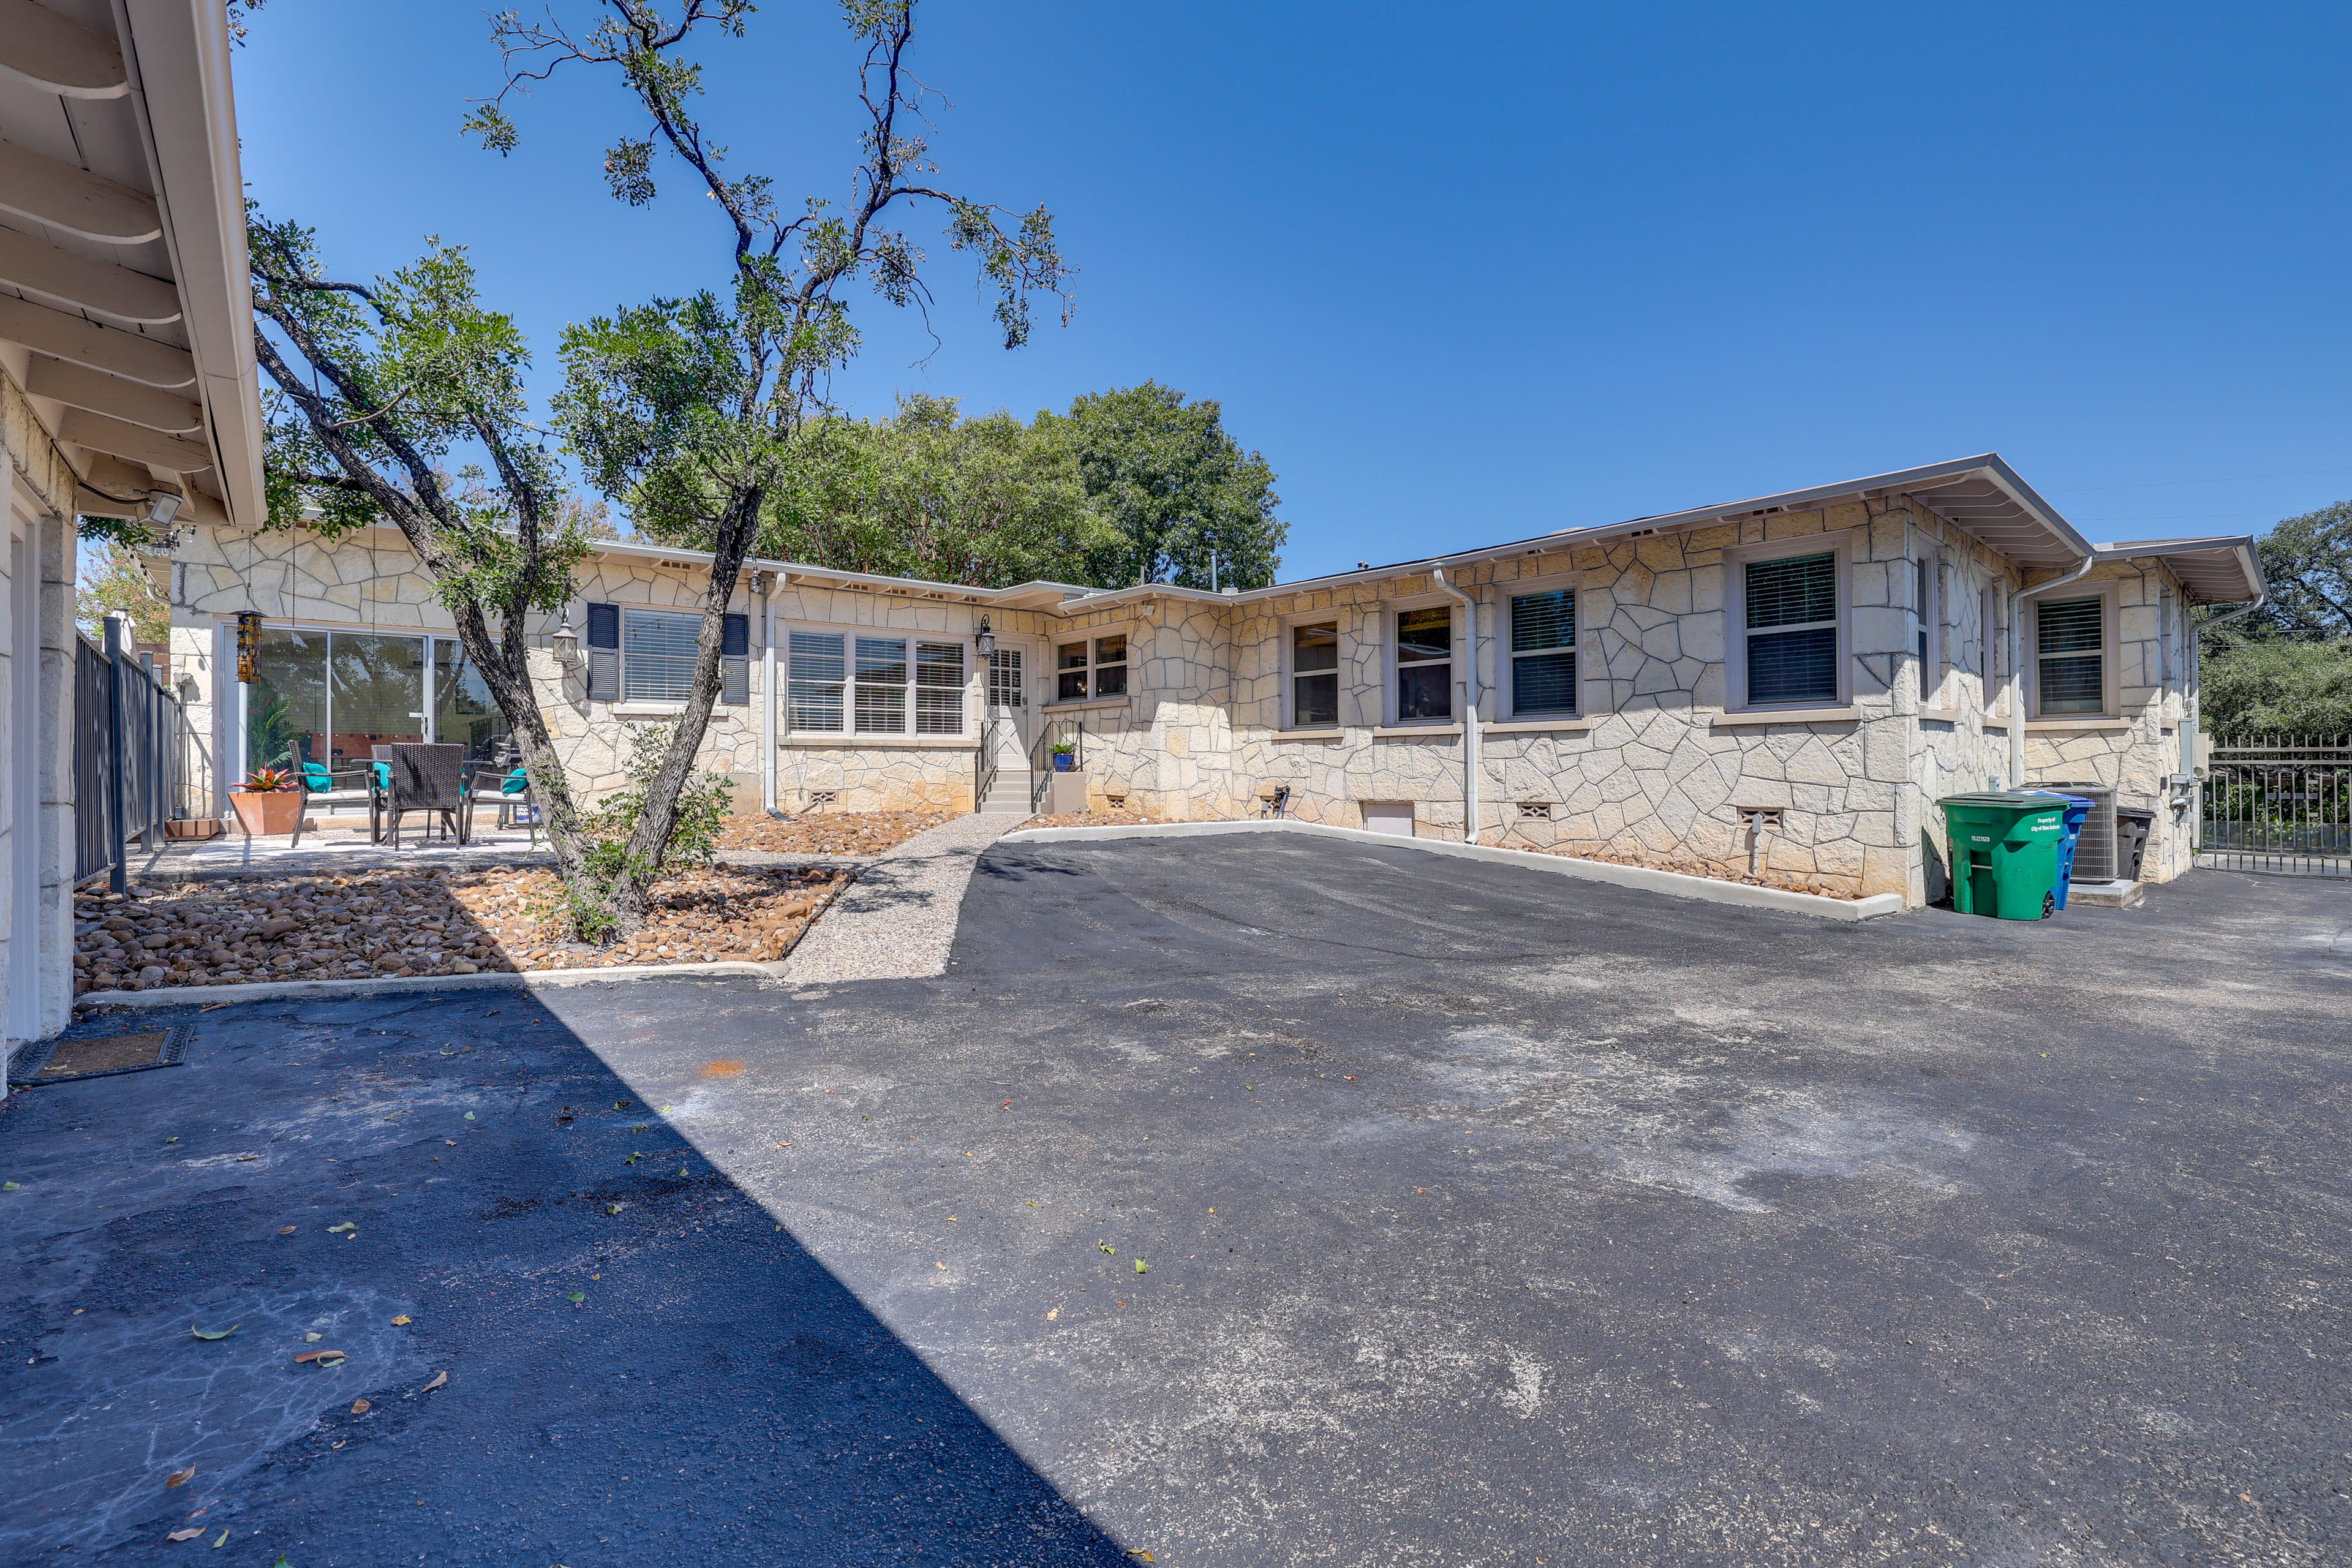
1315,676
1424,665
657,652
1543,654
813,686
1791,631
840,684
2070,651
939,688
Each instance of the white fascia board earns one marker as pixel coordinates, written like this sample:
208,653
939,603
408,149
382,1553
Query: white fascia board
176,54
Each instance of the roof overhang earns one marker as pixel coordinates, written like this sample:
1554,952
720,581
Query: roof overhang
125,308
1019,596
2222,570
1982,496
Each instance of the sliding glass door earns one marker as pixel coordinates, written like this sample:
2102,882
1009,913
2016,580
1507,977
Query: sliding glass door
335,695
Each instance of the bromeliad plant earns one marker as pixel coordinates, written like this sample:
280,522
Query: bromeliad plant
268,781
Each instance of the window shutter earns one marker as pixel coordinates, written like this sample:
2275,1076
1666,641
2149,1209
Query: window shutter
735,661
604,653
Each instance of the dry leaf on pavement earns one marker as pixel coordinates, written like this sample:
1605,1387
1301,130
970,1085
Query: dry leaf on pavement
438,1379
180,1478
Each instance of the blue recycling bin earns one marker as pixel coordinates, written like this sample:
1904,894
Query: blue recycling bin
2077,810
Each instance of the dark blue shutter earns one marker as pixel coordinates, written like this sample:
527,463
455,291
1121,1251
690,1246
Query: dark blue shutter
604,652
734,661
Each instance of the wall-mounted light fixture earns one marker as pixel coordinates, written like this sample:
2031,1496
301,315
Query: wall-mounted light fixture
986,640
564,640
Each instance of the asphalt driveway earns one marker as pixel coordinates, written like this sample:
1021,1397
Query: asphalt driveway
1485,1216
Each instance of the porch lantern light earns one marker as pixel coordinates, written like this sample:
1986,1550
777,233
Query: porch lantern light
564,640
986,640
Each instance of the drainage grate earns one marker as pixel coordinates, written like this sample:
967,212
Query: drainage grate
65,1061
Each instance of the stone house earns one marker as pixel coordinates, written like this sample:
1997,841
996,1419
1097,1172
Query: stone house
1782,685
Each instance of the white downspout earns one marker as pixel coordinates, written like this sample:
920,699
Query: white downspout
1472,693
2017,662
767,585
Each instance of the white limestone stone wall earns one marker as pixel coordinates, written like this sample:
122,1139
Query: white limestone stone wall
1653,771
2136,750
371,582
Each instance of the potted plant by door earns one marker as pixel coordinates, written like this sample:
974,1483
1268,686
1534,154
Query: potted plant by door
1065,756
267,803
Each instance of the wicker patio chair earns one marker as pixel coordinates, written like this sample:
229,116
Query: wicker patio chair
317,778
430,779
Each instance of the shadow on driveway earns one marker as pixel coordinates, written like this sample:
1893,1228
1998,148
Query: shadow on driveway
714,1396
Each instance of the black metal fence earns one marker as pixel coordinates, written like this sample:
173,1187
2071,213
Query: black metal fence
2278,803
129,758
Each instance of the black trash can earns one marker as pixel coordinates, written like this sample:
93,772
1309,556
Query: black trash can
2132,827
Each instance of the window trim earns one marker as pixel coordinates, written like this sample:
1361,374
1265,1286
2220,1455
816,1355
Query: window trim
1932,639
1736,562
1390,610
1507,698
2110,653
1093,636
1286,717
849,735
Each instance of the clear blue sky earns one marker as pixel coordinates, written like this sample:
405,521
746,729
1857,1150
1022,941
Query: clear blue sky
1466,273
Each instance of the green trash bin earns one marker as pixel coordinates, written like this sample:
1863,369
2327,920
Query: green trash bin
2005,853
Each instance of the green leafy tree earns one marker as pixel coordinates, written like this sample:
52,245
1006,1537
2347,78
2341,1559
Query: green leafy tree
2307,561
691,411
374,387
2286,669
2277,686
1175,485
114,581
928,494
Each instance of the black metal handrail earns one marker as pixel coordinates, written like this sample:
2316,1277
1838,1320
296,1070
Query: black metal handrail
983,762
1052,733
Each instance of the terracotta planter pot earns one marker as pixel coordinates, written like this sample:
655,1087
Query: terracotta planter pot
263,813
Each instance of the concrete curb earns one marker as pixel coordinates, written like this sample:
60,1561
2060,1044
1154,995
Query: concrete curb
394,984
1675,884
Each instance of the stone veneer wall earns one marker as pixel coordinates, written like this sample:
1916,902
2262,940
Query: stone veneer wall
371,582
2137,753
1653,771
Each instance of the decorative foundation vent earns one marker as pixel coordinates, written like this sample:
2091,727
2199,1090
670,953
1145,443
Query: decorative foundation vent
1535,811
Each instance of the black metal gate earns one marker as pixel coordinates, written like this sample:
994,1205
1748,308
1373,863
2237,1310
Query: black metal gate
127,756
2278,803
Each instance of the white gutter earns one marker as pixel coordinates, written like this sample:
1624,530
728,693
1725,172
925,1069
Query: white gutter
766,582
1471,694
2080,570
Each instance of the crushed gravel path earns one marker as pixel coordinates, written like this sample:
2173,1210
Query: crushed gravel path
898,920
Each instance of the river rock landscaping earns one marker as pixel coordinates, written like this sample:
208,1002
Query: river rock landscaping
430,922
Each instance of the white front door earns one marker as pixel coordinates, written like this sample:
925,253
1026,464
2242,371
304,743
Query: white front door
1010,666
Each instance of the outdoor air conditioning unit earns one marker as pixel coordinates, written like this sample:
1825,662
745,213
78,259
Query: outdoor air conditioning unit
2095,852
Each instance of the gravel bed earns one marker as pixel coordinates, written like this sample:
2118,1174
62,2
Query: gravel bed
844,833
1092,820
898,921
429,922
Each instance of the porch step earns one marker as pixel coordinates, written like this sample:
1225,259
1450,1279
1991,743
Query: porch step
1010,795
